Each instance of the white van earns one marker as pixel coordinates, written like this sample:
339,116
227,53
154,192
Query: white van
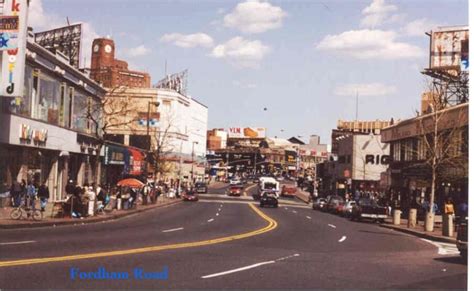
269,184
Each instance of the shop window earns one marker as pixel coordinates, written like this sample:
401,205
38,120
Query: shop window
396,151
70,106
62,105
48,99
79,116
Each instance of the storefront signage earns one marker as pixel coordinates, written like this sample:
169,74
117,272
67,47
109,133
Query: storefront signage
377,159
28,134
114,155
13,35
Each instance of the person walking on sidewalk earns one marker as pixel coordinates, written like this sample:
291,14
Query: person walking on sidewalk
449,207
16,191
31,195
43,194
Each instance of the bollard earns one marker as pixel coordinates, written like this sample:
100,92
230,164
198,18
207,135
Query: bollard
396,216
429,221
412,218
119,203
448,225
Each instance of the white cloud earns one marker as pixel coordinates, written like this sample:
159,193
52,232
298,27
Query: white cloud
369,44
418,27
368,89
255,16
138,51
241,52
40,21
377,13
188,40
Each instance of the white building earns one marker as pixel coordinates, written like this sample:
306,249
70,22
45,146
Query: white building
183,131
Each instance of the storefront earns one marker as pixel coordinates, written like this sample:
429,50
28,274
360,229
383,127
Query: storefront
122,162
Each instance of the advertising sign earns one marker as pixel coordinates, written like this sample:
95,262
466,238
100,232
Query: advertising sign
66,40
290,157
13,28
176,82
448,46
246,132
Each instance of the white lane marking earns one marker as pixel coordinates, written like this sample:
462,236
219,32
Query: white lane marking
211,220
173,229
332,225
17,242
444,248
247,267
308,217
217,214
343,238
294,211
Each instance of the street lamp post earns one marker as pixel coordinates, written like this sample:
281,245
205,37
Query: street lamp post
192,162
148,134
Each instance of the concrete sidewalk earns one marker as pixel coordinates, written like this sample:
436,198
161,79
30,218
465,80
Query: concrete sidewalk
418,230
7,223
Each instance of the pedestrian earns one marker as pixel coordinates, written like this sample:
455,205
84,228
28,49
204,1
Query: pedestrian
462,209
449,207
16,192
133,197
31,195
43,194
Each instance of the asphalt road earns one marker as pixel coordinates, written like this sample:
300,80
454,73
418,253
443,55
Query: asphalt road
306,249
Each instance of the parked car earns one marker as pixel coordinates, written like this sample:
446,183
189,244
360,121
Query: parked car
190,196
367,208
268,198
319,203
235,190
235,181
339,208
288,191
333,203
200,187
347,209
461,239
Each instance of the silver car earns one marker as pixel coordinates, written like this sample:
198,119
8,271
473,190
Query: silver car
347,209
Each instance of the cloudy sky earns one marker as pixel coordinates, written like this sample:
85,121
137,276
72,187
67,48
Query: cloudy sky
303,60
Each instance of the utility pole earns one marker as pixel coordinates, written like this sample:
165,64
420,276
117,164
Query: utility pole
192,162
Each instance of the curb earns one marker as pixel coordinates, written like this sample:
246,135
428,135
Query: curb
83,221
420,234
298,196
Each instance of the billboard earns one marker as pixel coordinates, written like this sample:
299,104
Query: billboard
449,47
13,35
246,132
177,82
66,40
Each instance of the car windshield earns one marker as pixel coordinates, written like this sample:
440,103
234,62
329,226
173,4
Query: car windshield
368,202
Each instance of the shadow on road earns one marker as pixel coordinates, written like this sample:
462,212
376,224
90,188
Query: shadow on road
452,260
379,232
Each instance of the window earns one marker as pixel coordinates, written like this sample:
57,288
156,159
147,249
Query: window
70,106
408,150
79,116
22,104
48,99
396,151
421,148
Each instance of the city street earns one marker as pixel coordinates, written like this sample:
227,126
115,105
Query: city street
287,247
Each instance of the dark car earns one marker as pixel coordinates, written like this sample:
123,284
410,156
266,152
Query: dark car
367,208
189,196
269,199
200,187
319,203
235,190
333,201
461,239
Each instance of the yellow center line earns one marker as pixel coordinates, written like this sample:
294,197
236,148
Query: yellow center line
272,224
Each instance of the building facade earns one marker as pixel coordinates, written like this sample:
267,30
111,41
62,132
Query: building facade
48,134
113,73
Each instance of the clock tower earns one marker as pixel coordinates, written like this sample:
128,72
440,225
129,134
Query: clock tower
103,54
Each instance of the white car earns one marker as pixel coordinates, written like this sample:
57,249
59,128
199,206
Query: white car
235,182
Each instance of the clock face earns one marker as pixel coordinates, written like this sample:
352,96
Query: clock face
108,48
96,48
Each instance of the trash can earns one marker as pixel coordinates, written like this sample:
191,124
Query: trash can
90,208
119,203
396,216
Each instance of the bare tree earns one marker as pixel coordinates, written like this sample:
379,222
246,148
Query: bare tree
441,144
115,111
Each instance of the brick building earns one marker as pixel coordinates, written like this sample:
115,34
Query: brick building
109,71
